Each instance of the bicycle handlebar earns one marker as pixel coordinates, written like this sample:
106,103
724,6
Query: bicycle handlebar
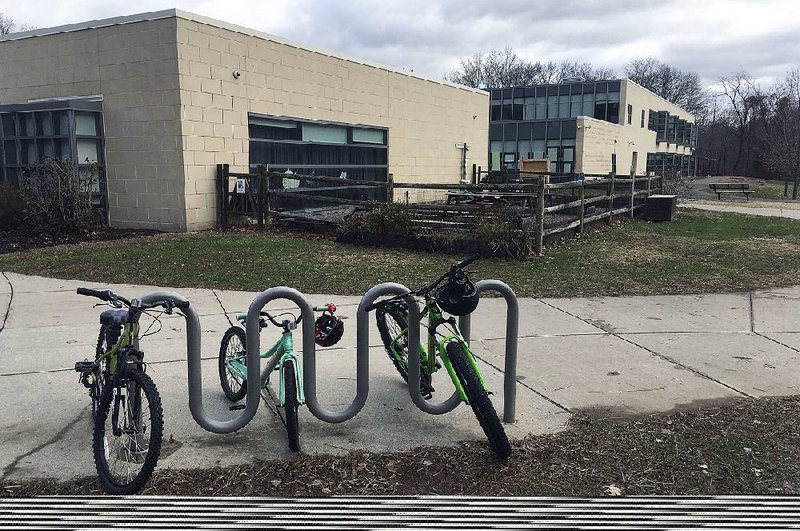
109,296
427,289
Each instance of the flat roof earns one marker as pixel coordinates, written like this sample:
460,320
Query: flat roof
186,15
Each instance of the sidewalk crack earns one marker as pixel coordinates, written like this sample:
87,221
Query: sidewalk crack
224,311
10,298
54,439
656,354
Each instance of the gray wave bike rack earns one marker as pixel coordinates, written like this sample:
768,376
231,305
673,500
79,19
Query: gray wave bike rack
253,347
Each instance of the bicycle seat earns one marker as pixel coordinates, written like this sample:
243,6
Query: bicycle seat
114,317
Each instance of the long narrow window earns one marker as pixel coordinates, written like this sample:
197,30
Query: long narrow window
64,130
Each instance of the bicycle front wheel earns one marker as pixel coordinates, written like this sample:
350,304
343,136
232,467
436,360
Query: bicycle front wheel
291,405
127,433
392,321
479,400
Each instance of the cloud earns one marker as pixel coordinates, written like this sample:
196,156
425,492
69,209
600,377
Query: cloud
713,38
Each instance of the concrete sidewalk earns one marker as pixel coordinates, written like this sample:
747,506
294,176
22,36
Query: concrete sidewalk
773,209
618,356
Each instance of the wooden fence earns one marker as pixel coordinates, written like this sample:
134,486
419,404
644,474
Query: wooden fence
554,207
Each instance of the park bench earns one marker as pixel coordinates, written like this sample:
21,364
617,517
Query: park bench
731,188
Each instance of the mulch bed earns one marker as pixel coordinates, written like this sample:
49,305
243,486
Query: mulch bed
22,239
737,447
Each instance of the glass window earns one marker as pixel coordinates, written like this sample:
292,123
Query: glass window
553,130
576,105
85,124
524,147
552,106
563,106
642,124
588,104
630,114
8,125
329,134
541,108
368,136
495,131
87,151
613,112
538,130
538,149
10,149
510,132
496,112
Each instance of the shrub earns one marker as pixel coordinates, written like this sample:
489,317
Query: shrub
57,197
502,238
12,207
392,220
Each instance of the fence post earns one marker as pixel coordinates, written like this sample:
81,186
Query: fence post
220,198
582,207
633,191
539,244
610,195
261,187
478,176
661,185
648,185
390,189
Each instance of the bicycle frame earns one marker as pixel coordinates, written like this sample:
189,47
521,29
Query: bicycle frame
278,354
438,346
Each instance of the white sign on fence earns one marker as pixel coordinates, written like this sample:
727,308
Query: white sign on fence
240,186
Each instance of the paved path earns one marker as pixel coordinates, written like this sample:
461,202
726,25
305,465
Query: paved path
616,356
773,209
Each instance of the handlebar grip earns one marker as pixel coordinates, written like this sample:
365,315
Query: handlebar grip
372,307
182,305
104,295
467,261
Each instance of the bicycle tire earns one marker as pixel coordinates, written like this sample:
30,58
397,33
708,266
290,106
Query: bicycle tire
132,449
291,405
105,340
479,400
233,389
398,314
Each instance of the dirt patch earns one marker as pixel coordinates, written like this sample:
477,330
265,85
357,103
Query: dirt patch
731,447
21,239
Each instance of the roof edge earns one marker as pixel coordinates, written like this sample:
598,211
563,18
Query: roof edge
186,15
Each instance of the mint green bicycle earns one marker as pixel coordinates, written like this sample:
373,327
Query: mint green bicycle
282,358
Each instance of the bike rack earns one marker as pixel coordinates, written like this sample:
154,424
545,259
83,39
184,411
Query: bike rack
309,356
512,341
362,344
195,379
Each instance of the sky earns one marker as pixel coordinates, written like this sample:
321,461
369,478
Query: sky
714,38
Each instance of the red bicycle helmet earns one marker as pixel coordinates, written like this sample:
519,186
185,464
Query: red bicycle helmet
328,329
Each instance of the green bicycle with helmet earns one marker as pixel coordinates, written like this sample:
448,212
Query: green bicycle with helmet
457,297
328,330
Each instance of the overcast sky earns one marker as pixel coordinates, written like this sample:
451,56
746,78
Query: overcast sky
712,37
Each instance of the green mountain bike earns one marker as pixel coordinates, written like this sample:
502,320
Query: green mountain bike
126,407
282,358
457,296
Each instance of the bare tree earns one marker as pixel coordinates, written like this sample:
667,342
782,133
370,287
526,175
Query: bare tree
676,86
7,25
781,146
504,68
745,106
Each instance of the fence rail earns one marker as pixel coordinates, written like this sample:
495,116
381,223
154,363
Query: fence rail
556,207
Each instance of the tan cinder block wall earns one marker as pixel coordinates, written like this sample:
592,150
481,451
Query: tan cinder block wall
134,67
596,138
425,119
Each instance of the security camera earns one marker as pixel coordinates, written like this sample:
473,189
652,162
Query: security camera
236,74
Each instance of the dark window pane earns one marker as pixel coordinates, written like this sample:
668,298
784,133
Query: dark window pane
497,94
507,111
576,88
563,90
553,130
530,92
496,112
510,132
613,112
524,131
10,148
552,90
517,113
8,125
569,128
541,92
588,88
61,123
538,130
508,93
600,111
613,86
601,87
274,129
496,132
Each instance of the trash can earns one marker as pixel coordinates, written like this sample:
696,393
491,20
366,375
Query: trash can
661,207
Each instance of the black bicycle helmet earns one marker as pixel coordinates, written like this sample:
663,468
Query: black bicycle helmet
328,329
459,296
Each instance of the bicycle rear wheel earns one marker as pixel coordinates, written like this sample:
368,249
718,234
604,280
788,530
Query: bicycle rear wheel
105,341
479,400
291,405
233,346
127,433
392,320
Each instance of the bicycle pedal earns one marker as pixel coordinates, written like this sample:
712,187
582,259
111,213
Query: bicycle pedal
84,366
237,407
